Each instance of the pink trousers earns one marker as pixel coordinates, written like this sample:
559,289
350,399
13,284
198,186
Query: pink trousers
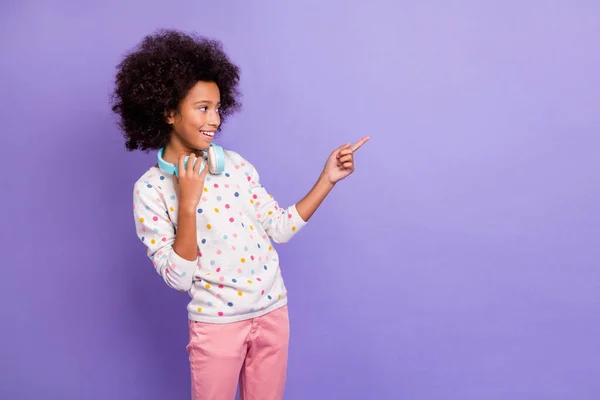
253,352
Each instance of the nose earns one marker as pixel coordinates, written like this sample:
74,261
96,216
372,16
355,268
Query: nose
213,118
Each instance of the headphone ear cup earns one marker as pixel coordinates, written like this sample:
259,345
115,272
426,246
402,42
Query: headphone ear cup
216,160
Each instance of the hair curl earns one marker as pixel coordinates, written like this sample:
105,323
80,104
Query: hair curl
154,77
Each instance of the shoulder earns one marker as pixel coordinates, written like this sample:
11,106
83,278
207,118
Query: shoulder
149,184
237,160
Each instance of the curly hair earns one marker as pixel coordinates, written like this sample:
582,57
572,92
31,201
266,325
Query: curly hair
154,78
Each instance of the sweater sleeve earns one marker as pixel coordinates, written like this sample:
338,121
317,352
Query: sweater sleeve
281,224
157,233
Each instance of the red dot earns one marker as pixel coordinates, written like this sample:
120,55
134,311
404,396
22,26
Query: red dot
255,196
262,292
167,271
227,206
289,215
155,218
231,219
249,179
258,279
219,269
216,186
221,286
252,258
220,313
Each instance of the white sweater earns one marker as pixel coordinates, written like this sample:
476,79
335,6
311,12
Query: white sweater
236,275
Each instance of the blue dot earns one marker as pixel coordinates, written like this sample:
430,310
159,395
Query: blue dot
208,178
172,197
199,211
147,208
252,310
252,271
234,280
203,241
243,225
227,174
245,248
148,186
265,267
162,178
143,238
155,230
258,245
183,273
225,237
212,262
219,198
270,298
210,303
230,304
236,194
247,173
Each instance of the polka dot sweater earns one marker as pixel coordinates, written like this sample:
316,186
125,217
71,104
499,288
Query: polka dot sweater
236,275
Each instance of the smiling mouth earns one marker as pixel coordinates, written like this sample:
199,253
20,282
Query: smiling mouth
209,134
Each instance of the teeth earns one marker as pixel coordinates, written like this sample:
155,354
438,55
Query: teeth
207,133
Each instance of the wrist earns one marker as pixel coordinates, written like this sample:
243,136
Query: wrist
187,209
324,182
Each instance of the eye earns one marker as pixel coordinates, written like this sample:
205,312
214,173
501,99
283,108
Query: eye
203,108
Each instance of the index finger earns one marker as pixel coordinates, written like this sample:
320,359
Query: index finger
362,141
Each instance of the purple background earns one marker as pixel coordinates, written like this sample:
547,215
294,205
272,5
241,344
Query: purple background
460,261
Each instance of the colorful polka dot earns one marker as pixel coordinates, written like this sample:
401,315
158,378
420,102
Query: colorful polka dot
199,309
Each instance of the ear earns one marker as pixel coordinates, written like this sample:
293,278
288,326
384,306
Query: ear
170,117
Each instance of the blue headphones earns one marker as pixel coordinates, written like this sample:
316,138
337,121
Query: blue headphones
215,157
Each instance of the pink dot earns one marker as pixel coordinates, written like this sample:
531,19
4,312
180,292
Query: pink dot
262,292
155,218
216,185
259,215
243,164
237,167
249,179
235,235
137,192
219,252
227,206
254,196
204,199
233,247
164,239
219,295
289,215
220,313
258,279
199,254
227,185
252,258
231,219
222,279
143,229
221,286
167,271
239,270
219,269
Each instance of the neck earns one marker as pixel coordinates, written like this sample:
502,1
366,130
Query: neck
175,149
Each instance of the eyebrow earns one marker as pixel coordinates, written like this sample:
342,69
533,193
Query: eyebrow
205,101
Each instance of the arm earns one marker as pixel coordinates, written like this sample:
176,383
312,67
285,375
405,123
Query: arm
175,257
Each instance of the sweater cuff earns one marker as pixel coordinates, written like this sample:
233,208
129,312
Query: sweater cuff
180,265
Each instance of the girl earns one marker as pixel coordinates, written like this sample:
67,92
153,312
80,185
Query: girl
211,234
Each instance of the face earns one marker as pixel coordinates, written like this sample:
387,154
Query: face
197,119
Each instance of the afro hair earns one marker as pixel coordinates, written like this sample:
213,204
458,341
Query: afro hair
155,77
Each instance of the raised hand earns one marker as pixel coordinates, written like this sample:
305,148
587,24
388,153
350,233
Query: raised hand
190,183
340,163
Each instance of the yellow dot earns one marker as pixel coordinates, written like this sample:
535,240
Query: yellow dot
251,228
249,281
270,213
216,210
270,248
251,201
171,209
205,190
207,286
240,293
208,226
153,241
199,309
243,260
142,220
293,228
278,297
